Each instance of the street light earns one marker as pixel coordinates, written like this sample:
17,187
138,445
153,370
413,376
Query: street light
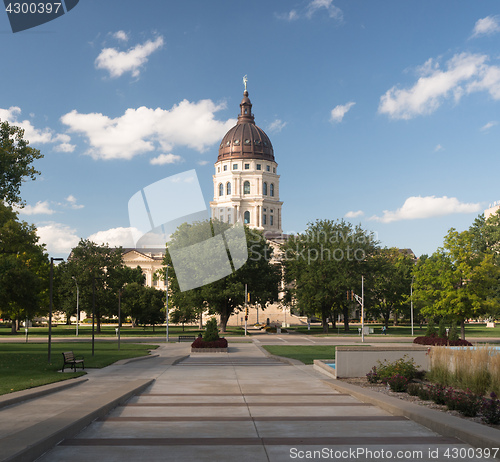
77,299
52,260
166,286
411,303
93,310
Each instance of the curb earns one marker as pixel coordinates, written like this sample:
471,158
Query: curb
477,435
37,392
43,436
122,362
283,359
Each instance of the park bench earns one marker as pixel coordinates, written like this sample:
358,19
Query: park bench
186,338
72,360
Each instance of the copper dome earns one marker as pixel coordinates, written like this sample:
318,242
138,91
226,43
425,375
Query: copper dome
245,140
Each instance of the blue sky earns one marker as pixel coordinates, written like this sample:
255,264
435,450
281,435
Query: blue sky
385,113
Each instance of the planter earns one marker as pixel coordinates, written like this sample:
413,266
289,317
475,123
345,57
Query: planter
208,350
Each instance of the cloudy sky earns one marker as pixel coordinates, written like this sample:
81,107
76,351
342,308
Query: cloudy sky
384,113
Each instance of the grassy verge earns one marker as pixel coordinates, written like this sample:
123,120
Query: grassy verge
304,353
85,330
25,366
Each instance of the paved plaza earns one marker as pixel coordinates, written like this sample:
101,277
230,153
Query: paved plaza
237,406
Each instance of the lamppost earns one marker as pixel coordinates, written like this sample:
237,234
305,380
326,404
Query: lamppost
77,299
52,260
411,303
93,310
166,287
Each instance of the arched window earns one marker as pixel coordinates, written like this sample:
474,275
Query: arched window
246,187
271,190
228,188
246,217
264,188
221,189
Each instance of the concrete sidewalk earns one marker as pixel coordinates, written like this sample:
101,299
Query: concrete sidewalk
240,406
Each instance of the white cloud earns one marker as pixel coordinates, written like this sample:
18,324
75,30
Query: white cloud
489,125
486,26
115,237
163,159
203,162
417,207
338,112
142,130
119,62
120,35
353,214
276,126
58,237
40,208
316,5
35,135
72,202
465,73
438,148
313,7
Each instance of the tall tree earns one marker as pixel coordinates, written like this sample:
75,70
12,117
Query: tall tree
24,268
457,281
323,263
16,157
227,294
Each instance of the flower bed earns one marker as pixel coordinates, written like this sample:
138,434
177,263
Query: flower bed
440,341
215,346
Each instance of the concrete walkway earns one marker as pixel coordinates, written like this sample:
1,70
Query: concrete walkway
240,406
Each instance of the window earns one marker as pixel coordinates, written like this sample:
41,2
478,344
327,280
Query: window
259,167
221,214
218,169
274,169
236,142
268,168
247,142
246,217
271,190
246,187
229,218
228,188
264,219
225,167
247,166
235,166
264,188
221,189
271,220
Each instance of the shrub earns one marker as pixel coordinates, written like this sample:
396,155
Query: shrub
403,366
414,389
431,329
442,329
491,410
469,404
372,376
423,393
398,383
200,343
453,333
437,341
211,331
437,393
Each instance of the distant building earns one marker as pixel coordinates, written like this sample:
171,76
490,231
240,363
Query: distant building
492,210
150,261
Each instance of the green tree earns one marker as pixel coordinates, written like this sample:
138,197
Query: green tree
24,269
227,294
457,281
390,283
323,263
16,157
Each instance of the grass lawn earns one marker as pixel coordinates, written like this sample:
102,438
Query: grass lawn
471,330
26,365
304,353
85,330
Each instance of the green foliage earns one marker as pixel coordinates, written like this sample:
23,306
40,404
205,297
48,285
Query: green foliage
413,389
453,333
323,263
225,295
211,331
398,383
431,328
16,158
404,367
442,328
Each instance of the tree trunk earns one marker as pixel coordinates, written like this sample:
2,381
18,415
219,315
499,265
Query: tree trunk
462,329
224,318
346,318
98,322
14,326
324,321
201,319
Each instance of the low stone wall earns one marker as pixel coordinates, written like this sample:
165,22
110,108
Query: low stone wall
208,350
357,361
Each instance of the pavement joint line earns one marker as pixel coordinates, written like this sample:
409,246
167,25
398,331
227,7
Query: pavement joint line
30,443
475,434
267,404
